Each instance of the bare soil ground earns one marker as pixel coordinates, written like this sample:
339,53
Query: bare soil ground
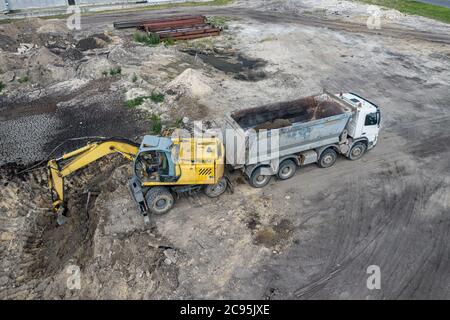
310,237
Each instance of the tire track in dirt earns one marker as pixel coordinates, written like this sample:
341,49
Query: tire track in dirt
438,249
403,211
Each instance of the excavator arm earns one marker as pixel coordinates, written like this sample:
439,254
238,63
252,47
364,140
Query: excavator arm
70,162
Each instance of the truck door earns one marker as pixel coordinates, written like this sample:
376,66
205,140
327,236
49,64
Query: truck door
371,127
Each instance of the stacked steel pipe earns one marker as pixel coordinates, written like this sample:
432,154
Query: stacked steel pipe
175,27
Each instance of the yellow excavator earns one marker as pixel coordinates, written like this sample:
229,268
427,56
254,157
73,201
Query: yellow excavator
162,166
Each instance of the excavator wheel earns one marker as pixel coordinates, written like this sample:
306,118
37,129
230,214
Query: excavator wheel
159,200
216,190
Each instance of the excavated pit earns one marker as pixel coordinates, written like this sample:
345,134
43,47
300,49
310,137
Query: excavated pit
35,251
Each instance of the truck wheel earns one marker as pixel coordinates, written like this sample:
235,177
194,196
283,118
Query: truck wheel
327,158
357,151
258,180
159,200
286,170
215,190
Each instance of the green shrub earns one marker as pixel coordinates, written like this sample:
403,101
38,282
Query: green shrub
2,86
135,102
134,78
152,39
218,22
178,123
140,37
149,38
169,41
155,124
115,71
157,97
23,79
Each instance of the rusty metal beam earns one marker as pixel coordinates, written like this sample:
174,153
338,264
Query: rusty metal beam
176,34
150,27
134,24
196,36
171,28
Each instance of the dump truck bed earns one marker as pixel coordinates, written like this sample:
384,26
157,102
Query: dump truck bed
302,124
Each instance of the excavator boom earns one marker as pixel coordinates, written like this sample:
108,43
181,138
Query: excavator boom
70,162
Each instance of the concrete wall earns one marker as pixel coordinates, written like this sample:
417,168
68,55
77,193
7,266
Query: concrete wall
2,6
84,2
27,4
32,4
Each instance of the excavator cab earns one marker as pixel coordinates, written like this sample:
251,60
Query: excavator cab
154,163
153,166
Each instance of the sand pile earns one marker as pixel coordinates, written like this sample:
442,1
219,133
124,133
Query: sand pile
53,26
190,82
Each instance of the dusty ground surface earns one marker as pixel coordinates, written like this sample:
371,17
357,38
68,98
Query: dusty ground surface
310,237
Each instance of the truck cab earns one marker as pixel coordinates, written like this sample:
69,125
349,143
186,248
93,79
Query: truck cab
365,123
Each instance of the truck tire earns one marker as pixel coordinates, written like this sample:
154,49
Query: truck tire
159,200
258,180
357,151
286,170
327,158
216,190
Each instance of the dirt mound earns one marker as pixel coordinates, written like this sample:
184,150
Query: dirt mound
327,109
46,68
44,57
38,32
72,54
8,43
52,26
93,42
190,82
9,62
94,68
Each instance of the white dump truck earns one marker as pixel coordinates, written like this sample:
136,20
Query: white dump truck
276,139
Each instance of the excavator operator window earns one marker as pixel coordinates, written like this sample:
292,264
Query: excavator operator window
152,165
